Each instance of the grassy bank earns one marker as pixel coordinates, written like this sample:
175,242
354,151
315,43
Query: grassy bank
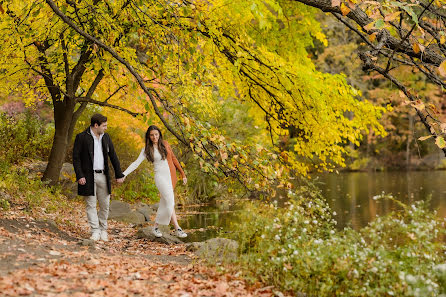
298,249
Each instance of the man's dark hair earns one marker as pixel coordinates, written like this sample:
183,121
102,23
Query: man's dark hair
98,118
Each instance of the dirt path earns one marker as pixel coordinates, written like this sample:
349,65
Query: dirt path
38,258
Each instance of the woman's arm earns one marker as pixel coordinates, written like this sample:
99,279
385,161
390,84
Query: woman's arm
135,164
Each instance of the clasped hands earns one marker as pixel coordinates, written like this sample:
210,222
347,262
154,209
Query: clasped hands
82,181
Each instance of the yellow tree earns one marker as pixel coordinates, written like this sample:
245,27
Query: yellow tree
188,58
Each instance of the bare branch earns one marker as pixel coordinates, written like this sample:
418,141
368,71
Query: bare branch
105,104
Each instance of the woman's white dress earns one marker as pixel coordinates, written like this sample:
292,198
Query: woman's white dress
163,182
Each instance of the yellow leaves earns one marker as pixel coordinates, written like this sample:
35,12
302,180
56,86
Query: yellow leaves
442,68
442,39
223,155
369,26
321,37
392,16
440,142
418,104
344,9
423,138
417,47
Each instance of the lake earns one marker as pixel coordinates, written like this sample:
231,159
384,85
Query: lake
349,194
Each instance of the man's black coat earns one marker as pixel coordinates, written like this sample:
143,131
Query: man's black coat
83,155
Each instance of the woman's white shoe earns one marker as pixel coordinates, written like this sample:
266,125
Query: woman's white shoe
181,233
157,232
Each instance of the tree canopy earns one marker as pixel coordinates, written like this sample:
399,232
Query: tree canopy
189,58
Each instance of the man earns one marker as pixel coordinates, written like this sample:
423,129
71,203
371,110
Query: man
90,162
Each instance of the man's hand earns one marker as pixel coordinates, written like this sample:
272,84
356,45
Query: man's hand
82,181
120,180
184,180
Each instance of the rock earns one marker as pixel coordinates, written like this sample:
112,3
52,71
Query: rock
51,223
132,217
166,238
194,246
86,242
154,206
218,249
146,211
67,171
69,188
118,208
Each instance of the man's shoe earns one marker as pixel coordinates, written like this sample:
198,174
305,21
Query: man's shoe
95,236
104,235
157,232
181,233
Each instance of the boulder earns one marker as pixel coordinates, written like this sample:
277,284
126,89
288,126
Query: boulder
166,238
154,206
132,217
34,167
146,211
67,172
86,242
218,249
193,246
118,209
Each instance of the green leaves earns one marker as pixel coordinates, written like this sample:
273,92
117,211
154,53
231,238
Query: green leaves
440,142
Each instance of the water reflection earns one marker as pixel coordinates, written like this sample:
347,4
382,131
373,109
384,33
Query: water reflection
351,194
206,221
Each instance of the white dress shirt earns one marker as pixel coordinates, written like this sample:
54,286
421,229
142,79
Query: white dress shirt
98,162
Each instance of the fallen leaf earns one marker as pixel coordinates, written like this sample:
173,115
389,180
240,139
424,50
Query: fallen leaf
423,138
344,9
439,141
392,16
416,48
442,68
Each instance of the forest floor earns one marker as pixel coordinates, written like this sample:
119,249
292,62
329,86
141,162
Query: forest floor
41,258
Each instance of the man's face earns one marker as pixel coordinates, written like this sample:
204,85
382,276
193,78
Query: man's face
100,129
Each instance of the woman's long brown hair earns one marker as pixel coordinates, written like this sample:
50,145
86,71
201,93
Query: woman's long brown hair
149,145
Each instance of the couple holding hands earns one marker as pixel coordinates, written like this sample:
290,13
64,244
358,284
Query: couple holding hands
90,152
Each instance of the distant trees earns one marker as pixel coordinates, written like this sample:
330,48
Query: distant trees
400,34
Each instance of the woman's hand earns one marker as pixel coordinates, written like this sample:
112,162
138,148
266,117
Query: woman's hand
184,180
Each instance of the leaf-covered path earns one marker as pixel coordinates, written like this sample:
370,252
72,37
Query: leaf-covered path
39,259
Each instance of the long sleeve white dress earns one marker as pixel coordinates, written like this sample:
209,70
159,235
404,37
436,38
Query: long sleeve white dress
163,183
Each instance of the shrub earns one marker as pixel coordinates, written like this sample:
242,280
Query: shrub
139,186
297,248
24,136
18,189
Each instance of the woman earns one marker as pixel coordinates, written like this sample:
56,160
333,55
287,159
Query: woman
159,152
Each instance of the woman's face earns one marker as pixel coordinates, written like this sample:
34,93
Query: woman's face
154,136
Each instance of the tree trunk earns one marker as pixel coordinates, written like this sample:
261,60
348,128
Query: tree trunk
63,114
409,141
